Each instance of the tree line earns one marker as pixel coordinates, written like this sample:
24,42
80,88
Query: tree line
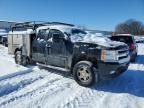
130,26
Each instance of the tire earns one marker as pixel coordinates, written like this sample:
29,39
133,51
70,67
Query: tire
133,59
85,74
20,59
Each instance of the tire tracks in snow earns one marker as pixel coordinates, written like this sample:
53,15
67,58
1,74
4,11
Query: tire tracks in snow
72,95
14,84
54,84
43,90
15,74
81,99
9,88
51,100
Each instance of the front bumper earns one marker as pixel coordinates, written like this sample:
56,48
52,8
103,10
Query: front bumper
111,70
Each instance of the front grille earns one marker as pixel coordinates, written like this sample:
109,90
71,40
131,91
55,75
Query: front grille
122,57
122,51
123,54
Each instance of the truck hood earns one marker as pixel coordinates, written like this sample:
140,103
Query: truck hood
99,40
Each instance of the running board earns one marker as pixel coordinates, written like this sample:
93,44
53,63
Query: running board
54,67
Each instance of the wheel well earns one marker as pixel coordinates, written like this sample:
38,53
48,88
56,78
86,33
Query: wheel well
17,49
93,60
85,58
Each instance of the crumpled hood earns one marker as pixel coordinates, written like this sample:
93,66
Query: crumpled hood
100,40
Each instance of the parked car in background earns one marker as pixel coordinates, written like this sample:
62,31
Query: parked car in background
130,41
139,39
3,37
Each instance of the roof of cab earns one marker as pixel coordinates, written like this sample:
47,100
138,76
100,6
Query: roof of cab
63,28
28,31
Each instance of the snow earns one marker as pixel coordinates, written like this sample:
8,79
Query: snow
96,39
3,32
31,87
28,31
62,28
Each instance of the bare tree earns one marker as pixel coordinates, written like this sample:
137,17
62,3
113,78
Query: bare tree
130,26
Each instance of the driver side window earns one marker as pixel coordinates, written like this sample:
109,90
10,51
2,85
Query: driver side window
57,36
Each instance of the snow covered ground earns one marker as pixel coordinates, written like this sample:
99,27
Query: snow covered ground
31,87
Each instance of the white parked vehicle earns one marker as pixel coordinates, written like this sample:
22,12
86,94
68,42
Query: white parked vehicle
3,37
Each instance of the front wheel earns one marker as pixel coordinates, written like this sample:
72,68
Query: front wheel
84,73
20,59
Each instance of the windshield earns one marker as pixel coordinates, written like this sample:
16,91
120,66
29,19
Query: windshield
77,35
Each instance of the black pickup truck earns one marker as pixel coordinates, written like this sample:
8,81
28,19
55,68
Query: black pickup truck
87,57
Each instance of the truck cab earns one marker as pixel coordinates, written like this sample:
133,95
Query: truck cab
53,45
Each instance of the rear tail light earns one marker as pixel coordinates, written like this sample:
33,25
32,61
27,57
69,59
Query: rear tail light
132,46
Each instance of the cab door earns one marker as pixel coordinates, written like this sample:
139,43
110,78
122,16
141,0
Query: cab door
56,50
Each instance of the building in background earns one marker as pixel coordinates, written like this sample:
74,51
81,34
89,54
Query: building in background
6,25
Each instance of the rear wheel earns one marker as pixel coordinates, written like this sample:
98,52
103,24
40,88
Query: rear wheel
85,73
20,59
